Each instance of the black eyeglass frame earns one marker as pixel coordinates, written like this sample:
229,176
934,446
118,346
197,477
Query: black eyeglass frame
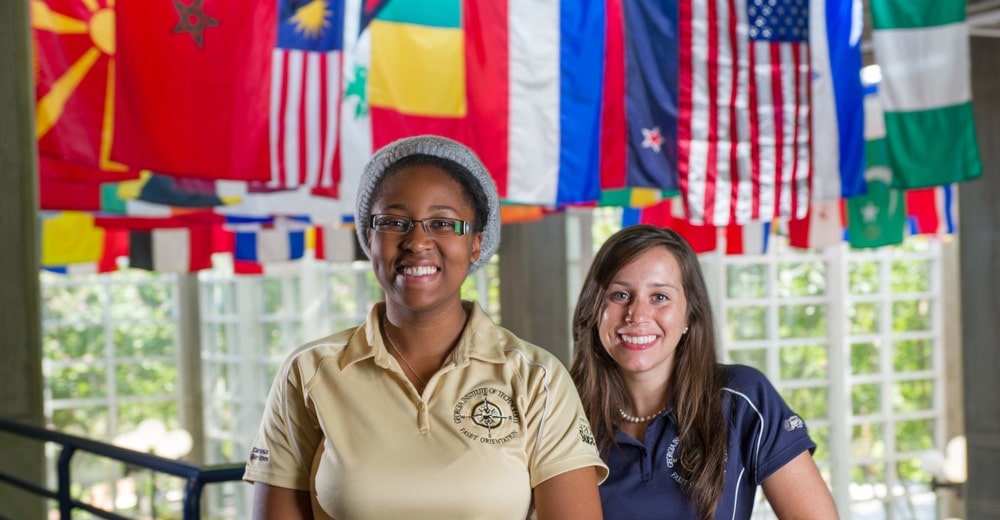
457,227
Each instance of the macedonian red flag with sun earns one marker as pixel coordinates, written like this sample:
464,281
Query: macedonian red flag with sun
74,64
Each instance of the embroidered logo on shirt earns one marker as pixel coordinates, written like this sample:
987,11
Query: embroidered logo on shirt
486,415
260,454
586,434
794,423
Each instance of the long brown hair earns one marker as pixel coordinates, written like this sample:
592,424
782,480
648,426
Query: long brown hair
695,386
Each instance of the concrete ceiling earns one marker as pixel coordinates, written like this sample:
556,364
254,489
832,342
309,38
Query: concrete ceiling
983,17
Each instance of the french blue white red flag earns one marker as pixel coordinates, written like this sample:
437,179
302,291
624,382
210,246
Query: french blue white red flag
305,95
743,107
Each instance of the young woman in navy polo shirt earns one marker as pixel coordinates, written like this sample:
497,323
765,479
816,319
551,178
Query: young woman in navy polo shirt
683,435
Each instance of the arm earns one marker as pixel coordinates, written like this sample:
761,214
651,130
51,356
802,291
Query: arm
571,496
278,502
797,490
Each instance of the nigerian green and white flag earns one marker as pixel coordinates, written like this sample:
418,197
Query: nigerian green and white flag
922,49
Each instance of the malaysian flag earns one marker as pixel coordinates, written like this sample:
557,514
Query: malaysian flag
305,95
743,125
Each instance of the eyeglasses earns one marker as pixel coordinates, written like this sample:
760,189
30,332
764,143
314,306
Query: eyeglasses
436,226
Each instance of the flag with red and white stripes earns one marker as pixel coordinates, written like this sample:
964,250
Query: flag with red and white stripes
305,96
744,109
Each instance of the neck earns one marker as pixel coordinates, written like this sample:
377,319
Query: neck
648,396
426,338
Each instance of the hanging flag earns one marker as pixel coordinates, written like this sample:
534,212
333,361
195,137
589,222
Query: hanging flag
651,68
822,227
192,87
72,244
876,218
520,83
336,244
74,46
743,130
704,238
171,250
305,95
922,49
931,211
277,240
748,239
835,28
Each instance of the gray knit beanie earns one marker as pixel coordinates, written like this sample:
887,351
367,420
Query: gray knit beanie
438,147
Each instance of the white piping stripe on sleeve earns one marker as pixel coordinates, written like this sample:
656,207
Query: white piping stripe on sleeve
760,432
545,408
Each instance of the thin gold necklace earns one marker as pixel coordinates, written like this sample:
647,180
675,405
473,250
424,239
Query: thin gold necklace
402,357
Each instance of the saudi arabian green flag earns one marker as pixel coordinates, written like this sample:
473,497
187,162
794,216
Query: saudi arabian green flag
922,49
878,217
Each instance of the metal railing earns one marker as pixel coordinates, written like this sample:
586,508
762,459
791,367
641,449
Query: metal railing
196,477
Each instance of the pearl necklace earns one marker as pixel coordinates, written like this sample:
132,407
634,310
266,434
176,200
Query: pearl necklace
637,420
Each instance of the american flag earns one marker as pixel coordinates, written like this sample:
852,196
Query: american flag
305,95
744,109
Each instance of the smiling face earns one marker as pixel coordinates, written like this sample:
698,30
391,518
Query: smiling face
644,314
418,272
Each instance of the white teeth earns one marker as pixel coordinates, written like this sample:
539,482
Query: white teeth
639,340
419,270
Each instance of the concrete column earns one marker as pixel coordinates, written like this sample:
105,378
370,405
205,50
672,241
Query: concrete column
534,283
979,243
20,315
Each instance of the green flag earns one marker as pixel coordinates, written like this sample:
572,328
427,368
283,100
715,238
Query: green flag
876,218
922,49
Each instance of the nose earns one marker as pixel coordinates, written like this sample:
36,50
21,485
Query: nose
417,238
637,312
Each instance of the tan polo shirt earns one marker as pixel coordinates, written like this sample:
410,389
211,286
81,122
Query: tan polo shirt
498,418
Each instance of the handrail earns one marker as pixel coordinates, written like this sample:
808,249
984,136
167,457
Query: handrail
195,476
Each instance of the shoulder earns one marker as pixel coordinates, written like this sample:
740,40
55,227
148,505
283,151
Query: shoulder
745,385
743,377
302,363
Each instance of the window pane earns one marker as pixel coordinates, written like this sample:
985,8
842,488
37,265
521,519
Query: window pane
755,357
910,315
746,281
810,403
73,342
144,339
862,278
86,421
802,321
147,378
863,318
867,441
864,358
801,279
913,355
911,275
746,323
78,381
915,435
866,399
804,362
72,302
909,396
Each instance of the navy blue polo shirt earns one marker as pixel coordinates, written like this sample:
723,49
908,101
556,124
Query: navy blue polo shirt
764,435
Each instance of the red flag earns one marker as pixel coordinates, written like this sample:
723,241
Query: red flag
192,86
74,45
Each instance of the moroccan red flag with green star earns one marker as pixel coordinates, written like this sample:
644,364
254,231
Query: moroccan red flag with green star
192,87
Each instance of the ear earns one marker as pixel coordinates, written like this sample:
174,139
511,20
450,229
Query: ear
477,246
